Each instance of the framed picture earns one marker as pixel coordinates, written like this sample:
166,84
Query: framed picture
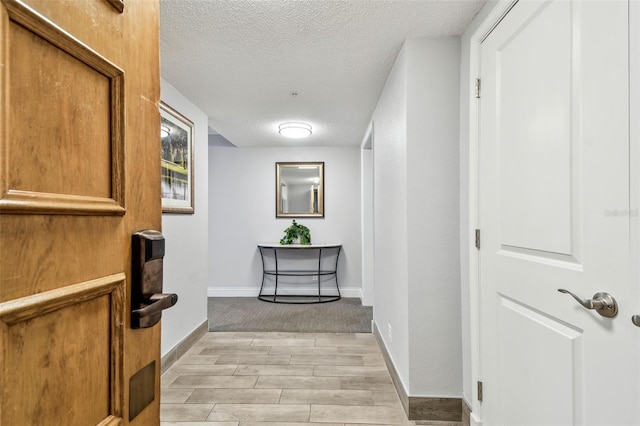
176,133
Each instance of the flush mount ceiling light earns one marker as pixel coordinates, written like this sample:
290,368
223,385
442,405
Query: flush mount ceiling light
164,131
294,130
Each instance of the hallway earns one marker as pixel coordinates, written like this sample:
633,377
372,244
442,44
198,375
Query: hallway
251,379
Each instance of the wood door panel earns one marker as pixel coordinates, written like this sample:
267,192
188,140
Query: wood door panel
61,344
44,252
55,97
65,140
62,97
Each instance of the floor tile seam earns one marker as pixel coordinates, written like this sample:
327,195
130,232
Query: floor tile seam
202,370
270,404
186,399
336,365
274,366
171,382
323,374
336,356
367,394
223,365
209,413
273,404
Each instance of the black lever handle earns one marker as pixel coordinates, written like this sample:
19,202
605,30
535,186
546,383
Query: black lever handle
150,314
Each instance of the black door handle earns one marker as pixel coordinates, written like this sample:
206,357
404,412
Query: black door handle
147,299
151,311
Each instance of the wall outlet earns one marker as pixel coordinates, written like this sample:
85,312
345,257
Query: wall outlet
390,334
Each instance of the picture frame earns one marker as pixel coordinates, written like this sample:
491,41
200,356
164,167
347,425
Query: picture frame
177,183
300,189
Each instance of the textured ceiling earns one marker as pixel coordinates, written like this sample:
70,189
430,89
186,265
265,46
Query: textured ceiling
240,61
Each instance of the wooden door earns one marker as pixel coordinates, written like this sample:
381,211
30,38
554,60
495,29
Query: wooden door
554,189
79,173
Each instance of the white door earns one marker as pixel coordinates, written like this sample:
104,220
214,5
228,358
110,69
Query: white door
554,211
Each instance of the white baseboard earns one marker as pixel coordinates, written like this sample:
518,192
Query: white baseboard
284,290
475,421
233,291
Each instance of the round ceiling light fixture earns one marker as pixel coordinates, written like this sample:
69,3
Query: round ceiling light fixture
294,130
164,131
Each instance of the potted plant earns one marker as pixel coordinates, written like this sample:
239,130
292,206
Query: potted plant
296,234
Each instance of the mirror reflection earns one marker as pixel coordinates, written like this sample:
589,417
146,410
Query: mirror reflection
299,189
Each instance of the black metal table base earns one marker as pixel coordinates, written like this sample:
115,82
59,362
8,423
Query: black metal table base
297,300
317,274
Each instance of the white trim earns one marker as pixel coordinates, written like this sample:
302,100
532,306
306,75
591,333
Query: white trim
233,291
284,290
491,21
367,250
634,142
367,134
475,420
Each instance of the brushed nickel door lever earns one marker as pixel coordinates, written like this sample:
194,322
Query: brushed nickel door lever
602,303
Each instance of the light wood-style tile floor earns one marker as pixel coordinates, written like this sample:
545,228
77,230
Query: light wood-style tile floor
289,379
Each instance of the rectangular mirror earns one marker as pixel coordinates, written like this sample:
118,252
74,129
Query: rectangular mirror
300,189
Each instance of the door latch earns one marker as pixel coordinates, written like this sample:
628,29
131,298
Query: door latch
147,299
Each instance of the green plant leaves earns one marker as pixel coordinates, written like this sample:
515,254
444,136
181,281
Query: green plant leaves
296,231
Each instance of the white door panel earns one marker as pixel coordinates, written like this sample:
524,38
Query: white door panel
536,369
535,151
554,169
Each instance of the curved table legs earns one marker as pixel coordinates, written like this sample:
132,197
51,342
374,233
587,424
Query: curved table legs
317,274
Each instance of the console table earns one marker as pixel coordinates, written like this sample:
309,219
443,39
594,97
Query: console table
308,251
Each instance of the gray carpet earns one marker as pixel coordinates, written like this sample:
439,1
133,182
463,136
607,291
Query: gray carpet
346,315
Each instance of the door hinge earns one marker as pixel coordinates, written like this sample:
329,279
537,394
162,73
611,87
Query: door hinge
477,238
479,391
478,88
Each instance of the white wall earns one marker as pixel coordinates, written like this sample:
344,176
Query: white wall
435,350
185,261
416,196
391,301
242,214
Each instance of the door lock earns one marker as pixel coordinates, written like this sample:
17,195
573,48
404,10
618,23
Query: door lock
602,303
147,299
